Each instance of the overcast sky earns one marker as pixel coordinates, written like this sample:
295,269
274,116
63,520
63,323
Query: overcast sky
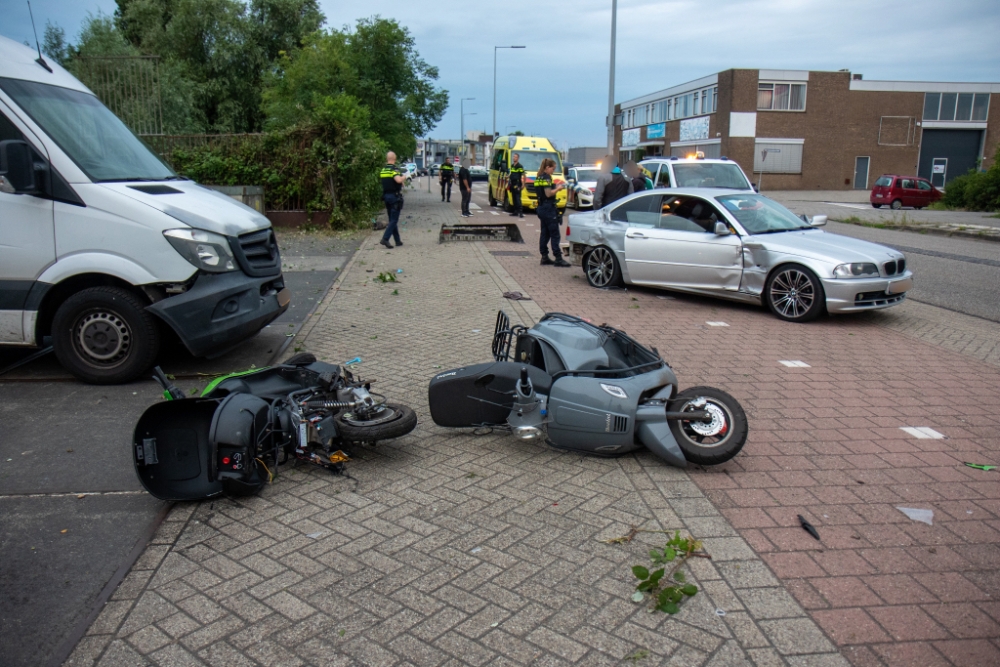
558,85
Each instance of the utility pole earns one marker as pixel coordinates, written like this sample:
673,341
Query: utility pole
495,48
461,149
611,80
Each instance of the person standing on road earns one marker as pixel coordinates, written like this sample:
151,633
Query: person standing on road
638,178
392,194
611,185
465,186
445,175
548,215
515,184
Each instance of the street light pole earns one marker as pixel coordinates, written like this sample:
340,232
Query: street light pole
495,48
611,81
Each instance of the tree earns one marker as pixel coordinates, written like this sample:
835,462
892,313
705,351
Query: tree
54,43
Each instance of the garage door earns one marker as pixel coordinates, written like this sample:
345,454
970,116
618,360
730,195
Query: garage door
959,147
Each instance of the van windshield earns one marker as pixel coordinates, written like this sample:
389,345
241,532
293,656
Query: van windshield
710,175
93,137
532,160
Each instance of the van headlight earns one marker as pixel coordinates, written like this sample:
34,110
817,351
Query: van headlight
206,250
856,270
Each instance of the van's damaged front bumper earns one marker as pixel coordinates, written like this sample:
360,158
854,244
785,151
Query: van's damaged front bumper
220,310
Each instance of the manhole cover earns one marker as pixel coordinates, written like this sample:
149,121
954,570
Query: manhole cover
510,253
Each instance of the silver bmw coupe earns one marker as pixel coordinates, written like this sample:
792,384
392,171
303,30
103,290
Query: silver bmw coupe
736,245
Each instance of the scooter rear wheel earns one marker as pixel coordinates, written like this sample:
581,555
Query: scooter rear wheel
709,443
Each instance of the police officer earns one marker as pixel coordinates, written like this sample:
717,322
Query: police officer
445,175
515,184
548,215
392,194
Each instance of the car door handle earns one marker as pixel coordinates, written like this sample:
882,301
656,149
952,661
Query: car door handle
636,235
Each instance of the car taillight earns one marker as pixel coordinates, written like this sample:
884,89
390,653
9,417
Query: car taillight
567,229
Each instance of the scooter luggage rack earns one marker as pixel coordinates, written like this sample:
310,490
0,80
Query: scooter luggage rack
503,336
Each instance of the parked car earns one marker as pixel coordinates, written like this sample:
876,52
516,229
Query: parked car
435,168
478,172
104,248
737,245
582,181
899,191
411,171
696,172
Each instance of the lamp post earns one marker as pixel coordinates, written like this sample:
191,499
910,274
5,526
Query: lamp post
611,80
461,151
495,48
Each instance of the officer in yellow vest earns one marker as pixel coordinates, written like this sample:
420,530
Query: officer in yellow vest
392,194
515,184
446,174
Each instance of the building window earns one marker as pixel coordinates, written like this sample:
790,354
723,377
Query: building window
778,156
715,99
956,106
781,96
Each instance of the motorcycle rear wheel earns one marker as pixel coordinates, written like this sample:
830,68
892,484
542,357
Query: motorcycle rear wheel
393,422
709,443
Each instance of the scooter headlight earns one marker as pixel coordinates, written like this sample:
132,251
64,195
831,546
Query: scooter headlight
527,433
614,390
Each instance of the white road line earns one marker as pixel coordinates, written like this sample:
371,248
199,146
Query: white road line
923,432
795,364
860,207
719,324
494,213
475,206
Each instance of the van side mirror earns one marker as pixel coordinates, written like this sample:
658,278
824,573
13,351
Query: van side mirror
19,170
721,229
818,220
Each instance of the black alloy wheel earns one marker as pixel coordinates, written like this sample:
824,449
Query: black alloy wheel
794,294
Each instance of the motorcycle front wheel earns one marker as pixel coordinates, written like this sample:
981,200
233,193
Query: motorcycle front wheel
392,421
709,443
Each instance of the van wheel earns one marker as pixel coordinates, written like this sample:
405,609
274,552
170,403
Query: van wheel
103,335
493,201
896,204
876,205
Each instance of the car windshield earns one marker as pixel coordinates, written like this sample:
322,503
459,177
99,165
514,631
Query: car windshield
532,160
760,215
94,138
587,174
710,175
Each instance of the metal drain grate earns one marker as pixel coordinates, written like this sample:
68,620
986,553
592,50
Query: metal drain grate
510,253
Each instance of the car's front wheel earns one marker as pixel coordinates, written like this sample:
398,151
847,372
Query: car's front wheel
104,335
709,442
601,267
794,294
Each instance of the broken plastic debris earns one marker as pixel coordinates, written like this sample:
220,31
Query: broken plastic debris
476,330
476,550
638,597
315,536
493,625
355,360
720,612
399,270
923,516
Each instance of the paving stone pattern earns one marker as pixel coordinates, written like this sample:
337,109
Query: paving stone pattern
826,442
443,547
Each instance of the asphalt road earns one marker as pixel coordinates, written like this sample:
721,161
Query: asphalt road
63,439
959,274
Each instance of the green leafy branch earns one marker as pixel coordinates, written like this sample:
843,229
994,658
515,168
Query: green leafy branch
667,585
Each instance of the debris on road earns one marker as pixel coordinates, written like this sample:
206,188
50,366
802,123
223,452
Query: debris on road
923,516
980,466
809,528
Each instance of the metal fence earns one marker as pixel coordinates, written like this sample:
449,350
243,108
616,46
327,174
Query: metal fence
128,85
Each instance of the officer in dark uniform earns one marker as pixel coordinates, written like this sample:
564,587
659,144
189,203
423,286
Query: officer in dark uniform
548,215
392,194
515,184
446,176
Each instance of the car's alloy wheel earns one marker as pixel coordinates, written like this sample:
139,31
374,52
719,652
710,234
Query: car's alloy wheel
601,267
794,294
897,204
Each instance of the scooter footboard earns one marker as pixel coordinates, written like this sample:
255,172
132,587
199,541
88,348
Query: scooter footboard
478,395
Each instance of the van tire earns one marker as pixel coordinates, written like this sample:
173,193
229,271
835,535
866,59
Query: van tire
123,339
493,201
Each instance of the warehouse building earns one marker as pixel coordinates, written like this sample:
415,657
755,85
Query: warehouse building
806,130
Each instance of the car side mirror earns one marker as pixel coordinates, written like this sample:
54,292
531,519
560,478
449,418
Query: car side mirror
20,172
756,189
818,220
722,229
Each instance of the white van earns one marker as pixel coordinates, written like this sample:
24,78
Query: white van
103,247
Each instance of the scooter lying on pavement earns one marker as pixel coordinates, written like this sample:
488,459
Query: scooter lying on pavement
590,389
233,436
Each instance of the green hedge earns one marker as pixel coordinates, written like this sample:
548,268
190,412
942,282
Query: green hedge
976,190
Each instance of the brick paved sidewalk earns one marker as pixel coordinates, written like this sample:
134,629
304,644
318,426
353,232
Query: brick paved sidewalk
443,548
826,441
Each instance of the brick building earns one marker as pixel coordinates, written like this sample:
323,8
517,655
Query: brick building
804,130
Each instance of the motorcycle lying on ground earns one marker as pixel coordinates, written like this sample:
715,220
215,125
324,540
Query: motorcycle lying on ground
232,437
590,389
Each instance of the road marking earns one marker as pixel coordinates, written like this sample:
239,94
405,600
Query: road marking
923,432
720,324
860,207
475,206
795,364
494,213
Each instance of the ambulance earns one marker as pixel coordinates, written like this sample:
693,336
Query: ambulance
532,150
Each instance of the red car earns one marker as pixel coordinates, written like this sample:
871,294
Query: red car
898,191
